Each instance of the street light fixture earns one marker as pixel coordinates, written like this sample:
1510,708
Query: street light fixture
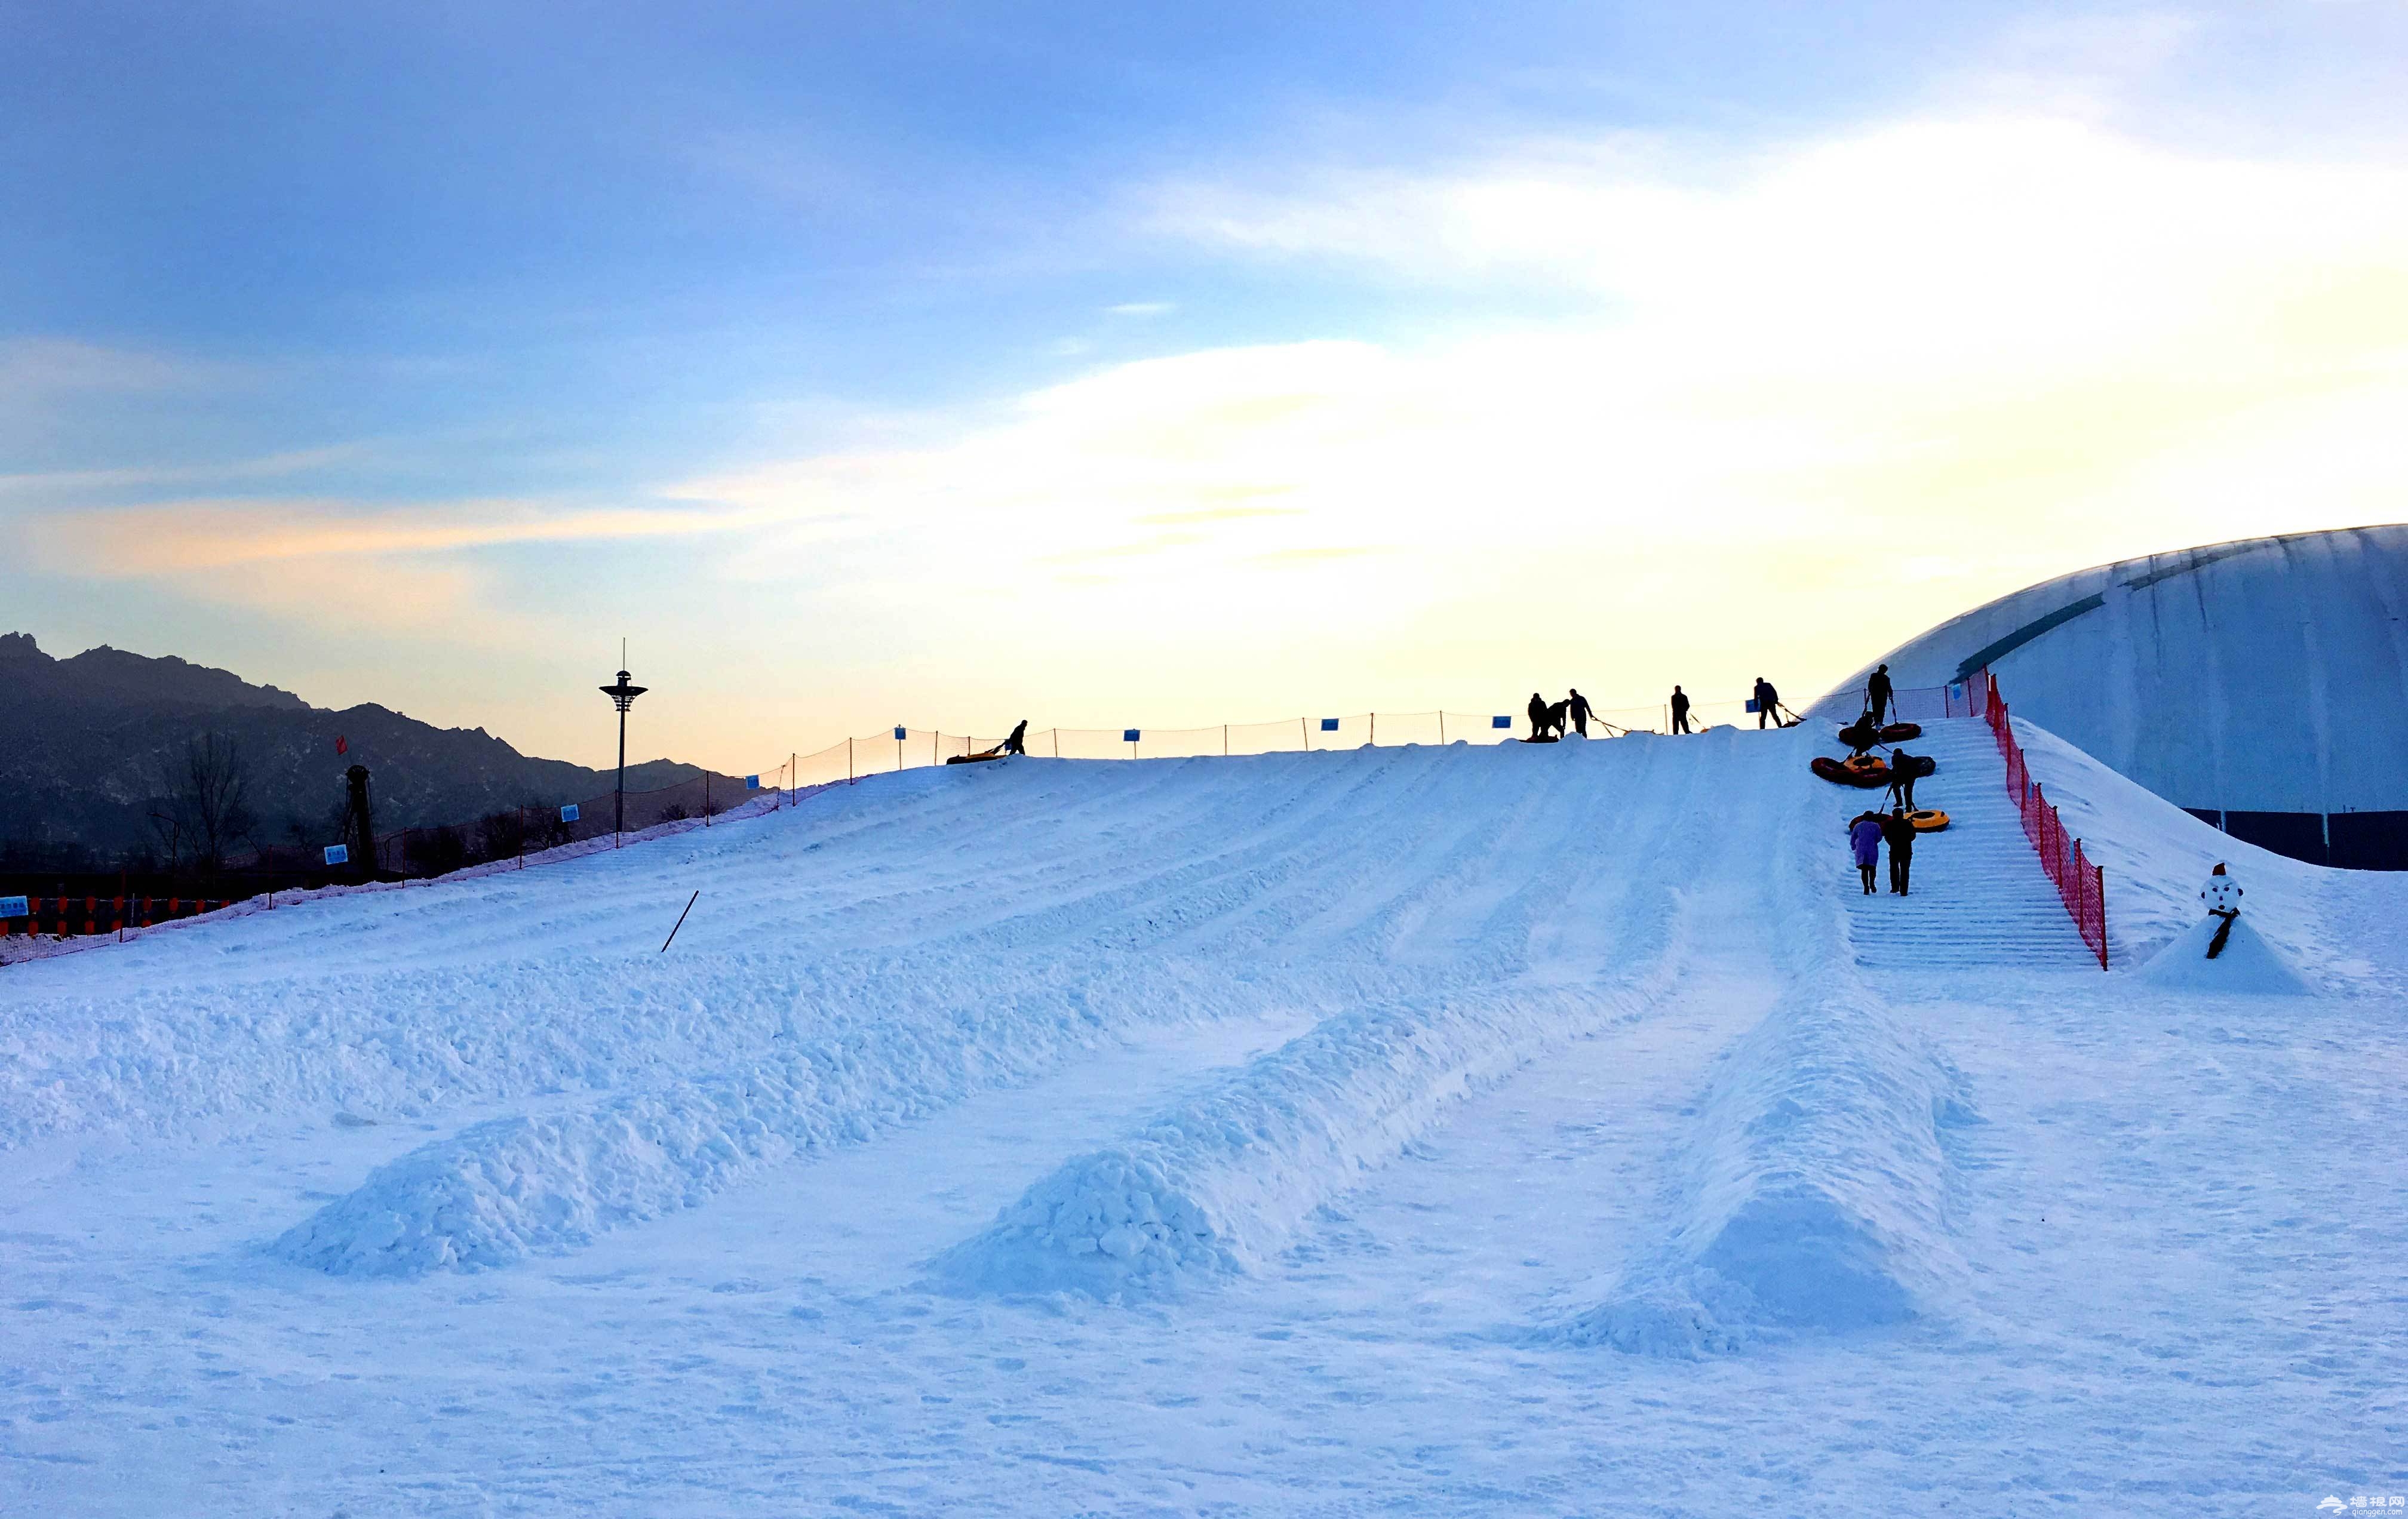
624,694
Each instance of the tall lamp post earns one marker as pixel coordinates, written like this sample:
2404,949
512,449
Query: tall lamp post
624,694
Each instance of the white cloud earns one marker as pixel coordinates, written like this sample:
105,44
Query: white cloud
1970,347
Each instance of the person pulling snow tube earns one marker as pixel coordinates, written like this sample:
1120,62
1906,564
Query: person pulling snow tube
1862,770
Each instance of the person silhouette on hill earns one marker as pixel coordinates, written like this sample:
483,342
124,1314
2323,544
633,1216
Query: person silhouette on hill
1680,711
1017,743
1577,706
1538,715
1900,833
1903,770
1768,703
1865,839
1877,693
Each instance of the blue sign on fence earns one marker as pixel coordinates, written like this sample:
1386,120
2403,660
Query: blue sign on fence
1128,735
901,735
1500,722
751,783
569,813
1329,724
14,906
338,853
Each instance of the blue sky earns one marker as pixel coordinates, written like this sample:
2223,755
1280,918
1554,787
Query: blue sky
950,364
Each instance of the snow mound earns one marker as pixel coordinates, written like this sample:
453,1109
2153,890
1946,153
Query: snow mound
2249,965
1221,1182
1817,1197
498,1191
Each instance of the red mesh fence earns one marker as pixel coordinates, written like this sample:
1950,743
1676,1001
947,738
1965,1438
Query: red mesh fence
2080,885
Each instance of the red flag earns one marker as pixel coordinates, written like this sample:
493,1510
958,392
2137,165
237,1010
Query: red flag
342,745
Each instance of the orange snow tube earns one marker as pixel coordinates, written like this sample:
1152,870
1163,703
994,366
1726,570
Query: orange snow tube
1858,770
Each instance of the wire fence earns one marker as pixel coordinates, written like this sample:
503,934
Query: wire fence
517,836
909,749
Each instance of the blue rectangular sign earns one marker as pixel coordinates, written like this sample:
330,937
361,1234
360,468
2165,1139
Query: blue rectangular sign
569,813
14,906
899,735
1329,724
1128,735
1500,722
751,783
338,853
1750,704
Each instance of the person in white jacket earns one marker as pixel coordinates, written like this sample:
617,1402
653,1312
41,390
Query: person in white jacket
2222,896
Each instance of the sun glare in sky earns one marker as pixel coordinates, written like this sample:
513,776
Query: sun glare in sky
972,366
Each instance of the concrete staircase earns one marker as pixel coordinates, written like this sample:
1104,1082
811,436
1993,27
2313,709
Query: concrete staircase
1977,895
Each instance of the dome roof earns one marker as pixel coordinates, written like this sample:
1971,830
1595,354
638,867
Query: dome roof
2265,675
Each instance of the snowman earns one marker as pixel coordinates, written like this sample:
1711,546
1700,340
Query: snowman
2222,896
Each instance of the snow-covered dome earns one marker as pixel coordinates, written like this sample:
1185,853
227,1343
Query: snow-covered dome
2262,684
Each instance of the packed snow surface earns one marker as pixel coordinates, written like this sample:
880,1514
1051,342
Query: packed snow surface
1525,1130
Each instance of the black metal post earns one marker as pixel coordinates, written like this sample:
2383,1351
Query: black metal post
624,696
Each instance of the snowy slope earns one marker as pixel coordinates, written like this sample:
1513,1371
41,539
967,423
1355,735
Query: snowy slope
1527,1129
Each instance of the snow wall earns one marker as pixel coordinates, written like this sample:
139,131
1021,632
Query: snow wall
2261,684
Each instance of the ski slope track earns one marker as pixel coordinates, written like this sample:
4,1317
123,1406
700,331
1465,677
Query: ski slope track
1445,1130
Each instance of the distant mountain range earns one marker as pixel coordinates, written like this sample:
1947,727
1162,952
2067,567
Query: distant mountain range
90,737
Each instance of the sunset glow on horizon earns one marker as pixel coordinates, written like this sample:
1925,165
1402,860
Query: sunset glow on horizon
934,374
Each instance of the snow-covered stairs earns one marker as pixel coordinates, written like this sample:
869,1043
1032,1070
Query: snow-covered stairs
1977,895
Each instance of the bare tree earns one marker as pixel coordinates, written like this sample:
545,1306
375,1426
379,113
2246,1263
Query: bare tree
208,803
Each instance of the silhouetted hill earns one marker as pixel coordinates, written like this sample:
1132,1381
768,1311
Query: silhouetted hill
91,735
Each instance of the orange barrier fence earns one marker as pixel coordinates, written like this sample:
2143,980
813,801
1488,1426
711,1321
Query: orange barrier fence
67,916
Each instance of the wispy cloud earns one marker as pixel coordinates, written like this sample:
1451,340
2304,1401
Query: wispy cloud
1141,309
45,367
197,536
1220,514
266,467
1911,333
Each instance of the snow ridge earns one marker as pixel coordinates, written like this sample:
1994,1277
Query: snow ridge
1818,1198
1816,1193
498,1191
1221,1181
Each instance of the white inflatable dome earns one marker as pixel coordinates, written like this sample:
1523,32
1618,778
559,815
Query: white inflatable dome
2262,684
